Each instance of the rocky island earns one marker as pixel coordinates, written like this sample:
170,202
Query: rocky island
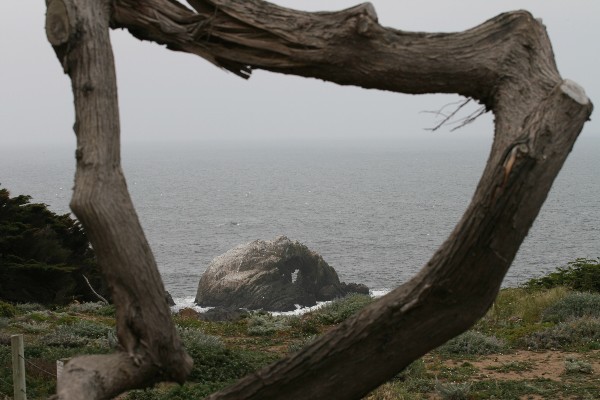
272,275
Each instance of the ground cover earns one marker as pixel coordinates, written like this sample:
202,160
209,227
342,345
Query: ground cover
536,342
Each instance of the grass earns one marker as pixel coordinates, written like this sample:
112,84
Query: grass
513,366
545,320
473,343
519,305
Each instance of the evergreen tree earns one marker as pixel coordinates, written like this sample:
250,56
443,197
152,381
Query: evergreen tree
43,255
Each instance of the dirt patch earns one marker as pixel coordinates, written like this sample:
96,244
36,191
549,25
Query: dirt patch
531,365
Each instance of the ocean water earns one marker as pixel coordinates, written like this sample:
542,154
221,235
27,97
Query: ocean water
375,214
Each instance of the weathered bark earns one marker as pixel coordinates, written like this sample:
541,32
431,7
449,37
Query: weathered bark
151,350
347,47
506,63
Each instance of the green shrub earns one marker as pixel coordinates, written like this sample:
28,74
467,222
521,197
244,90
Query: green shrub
32,327
453,390
574,305
62,318
214,363
92,308
474,343
582,275
38,316
219,364
7,310
266,324
30,307
88,329
63,339
295,346
85,307
196,339
575,366
340,309
521,306
305,325
79,333
107,310
583,332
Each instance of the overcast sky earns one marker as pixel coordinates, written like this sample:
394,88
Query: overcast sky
175,96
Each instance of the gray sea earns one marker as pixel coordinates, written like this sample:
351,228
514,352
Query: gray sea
375,213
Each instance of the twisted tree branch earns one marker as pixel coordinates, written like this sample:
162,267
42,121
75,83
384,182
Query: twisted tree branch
506,63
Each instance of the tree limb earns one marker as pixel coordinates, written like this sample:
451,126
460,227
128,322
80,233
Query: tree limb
78,31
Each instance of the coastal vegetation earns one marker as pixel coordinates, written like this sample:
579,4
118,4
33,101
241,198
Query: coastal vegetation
43,256
535,342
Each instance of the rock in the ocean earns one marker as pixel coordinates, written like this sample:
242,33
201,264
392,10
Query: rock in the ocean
270,275
169,299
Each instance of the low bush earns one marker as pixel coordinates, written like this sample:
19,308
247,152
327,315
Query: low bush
579,333
30,307
473,343
219,364
512,366
38,316
88,329
522,305
453,390
63,339
295,346
574,305
32,327
196,339
79,333
7,310
85,307
107,310
575,366
340,309
266,324
582,275
305,325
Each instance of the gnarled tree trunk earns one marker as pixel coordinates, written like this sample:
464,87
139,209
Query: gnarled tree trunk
506,63
151,349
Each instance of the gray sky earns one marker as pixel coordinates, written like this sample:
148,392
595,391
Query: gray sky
175,96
